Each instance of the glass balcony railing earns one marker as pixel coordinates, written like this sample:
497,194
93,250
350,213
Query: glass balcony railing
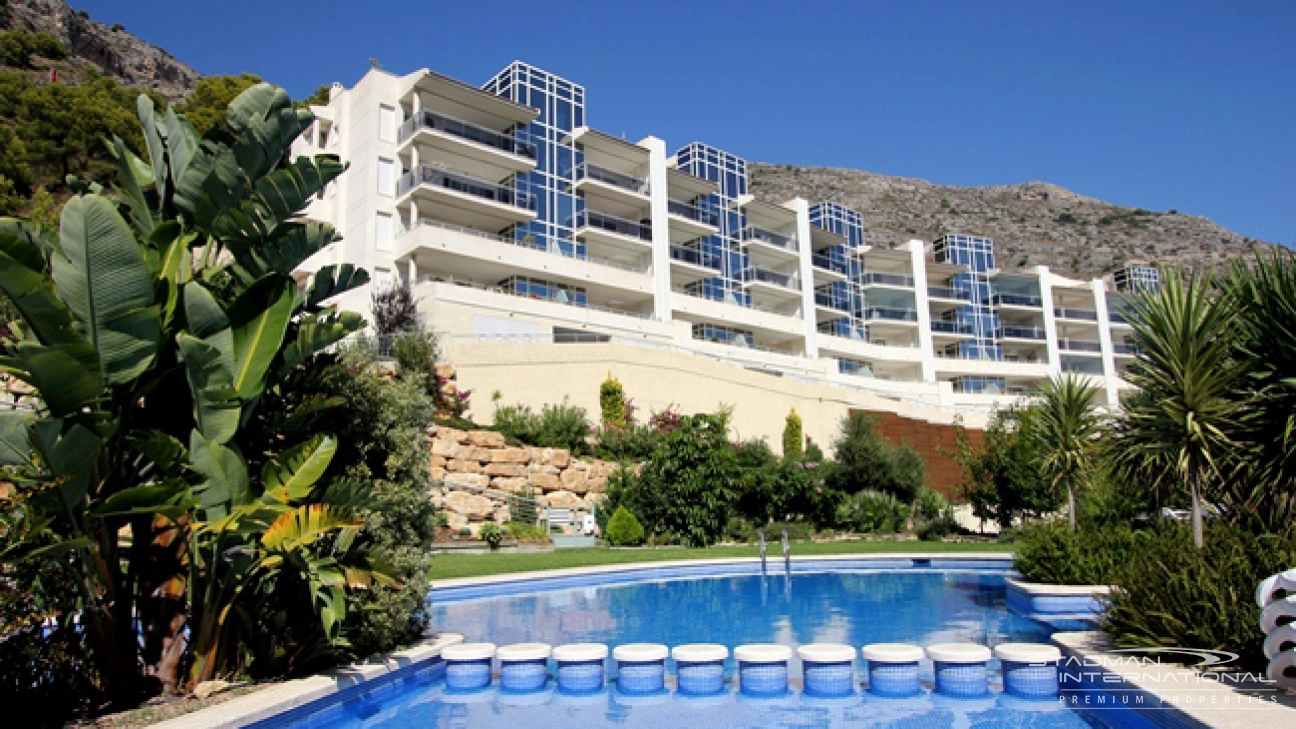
427,175
945,292
1063,312
1020,333
889,314
695,257
828,264
1082,367
773,278
887,279
428,120
1124,348
684,210
1118,317
612,224
951,327
1079,345
587,171
1018,300
752,233
832,302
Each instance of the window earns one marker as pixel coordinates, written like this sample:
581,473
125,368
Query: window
386,177
387,123
383,232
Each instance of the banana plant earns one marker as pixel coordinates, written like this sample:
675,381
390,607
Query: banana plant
154,322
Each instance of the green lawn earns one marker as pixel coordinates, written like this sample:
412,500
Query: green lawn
450,566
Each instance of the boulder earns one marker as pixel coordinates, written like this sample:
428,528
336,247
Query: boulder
472,506
546,482
574,480
596,484
511,455
545,468
438,461
505,469
476,480
438,473
458,466
452,434
557,457
456,521
445,371
565,500
518,485
472,453
444,447
503,515
486,439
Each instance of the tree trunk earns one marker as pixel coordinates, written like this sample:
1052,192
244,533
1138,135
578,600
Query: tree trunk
1071,508
1199,538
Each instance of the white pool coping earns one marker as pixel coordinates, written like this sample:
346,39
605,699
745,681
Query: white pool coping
772,561
1212,703
275,699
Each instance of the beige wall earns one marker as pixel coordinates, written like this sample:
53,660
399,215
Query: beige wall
537,374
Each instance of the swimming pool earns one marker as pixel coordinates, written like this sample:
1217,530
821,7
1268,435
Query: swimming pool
855,603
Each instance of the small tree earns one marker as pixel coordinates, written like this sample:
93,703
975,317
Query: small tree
394,309
612,403
865,461
793,441
1070,425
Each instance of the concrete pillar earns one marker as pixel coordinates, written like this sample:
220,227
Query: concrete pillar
1105,339
659,195
918,268
1050,320
804,251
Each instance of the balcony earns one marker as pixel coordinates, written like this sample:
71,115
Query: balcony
467,146
828,301
1063,312
940,326
947,293
1032,333
466,200
824,263
1123,349
689,222
895,280
754,276
1118,318
608,189
610,231
884,313
691,264
1080,345
1023,300
783,243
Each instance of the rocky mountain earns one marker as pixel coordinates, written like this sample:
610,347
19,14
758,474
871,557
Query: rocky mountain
110,49
1032,224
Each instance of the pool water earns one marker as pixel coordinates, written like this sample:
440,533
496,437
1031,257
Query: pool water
855,607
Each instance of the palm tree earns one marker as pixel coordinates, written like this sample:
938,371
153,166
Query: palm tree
1185,369
1069,424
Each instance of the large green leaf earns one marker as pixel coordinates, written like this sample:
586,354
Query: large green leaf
259,318
66,375
207,320
291,475
171,498
182,143
317,332
130,187
156,146
71,457
216,402
292,244
276,198
225,474
33,293
15,449
103,278
332,281
35,236
164,451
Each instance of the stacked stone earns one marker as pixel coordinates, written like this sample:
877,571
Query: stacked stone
482,459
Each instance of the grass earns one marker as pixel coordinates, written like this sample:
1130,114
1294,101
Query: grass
451,566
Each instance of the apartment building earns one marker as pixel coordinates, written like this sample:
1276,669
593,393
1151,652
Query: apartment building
518,222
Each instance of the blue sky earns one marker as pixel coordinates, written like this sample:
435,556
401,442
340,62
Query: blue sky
1187,105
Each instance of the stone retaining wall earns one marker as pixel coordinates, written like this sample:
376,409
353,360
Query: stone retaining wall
483,459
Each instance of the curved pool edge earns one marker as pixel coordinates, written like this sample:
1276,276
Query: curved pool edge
277,704
465,588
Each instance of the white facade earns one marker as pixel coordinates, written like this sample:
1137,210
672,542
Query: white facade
445,190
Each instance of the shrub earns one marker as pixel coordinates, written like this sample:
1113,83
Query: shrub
526,530
394,309
1004,479
612,403
864,461
1173,594
631,442
929,504
624,530
563,426
793,443
688,485
1049,552
873,512
935,529
491,534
